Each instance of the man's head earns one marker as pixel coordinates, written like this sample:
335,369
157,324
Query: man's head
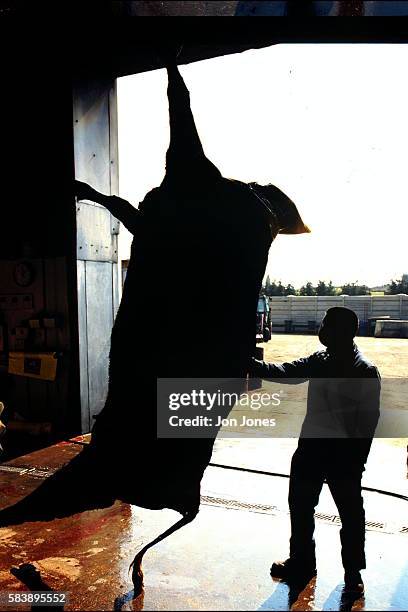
338,328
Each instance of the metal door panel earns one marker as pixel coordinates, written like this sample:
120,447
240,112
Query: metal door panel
99,326
94,238
83,346
96,162
91,135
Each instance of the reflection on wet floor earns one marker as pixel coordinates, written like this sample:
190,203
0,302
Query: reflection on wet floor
220,561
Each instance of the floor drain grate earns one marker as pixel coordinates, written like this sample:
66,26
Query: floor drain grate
15,469
27,470
334,519
375,524
238,505
331,518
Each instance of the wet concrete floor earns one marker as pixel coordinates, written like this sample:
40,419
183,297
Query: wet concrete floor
219,562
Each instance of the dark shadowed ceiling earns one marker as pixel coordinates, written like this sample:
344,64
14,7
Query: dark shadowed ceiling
112,39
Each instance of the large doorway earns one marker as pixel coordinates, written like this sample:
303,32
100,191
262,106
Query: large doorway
325,123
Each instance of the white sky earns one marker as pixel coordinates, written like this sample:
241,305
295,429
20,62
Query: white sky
328,124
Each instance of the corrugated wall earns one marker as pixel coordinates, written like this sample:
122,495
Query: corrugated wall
302,309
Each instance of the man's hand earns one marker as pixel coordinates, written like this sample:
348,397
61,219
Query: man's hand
83,191
255,367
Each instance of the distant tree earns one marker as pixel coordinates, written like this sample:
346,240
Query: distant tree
278,289
267,286
271,288
355,289
397,286
307,289
324,288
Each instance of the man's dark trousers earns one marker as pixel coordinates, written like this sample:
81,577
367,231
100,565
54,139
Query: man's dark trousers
313,463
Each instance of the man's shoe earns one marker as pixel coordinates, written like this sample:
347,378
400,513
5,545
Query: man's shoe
353,583
293,573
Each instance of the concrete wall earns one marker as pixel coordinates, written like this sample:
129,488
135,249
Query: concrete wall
301,309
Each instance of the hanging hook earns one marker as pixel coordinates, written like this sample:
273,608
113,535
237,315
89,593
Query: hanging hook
179,51
168,54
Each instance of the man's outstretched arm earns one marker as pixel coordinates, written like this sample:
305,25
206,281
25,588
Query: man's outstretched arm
121,209
291,373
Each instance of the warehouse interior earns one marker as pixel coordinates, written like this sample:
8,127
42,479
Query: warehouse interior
60,290
62,122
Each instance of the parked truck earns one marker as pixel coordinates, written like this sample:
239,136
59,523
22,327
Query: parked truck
263,320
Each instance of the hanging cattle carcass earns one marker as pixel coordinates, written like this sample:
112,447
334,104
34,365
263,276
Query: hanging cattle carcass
201,235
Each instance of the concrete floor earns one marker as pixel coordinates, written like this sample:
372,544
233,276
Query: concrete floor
219,562
388,354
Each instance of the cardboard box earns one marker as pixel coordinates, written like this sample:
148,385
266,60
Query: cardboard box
34,365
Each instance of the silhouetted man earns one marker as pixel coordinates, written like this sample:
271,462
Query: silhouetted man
335,440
